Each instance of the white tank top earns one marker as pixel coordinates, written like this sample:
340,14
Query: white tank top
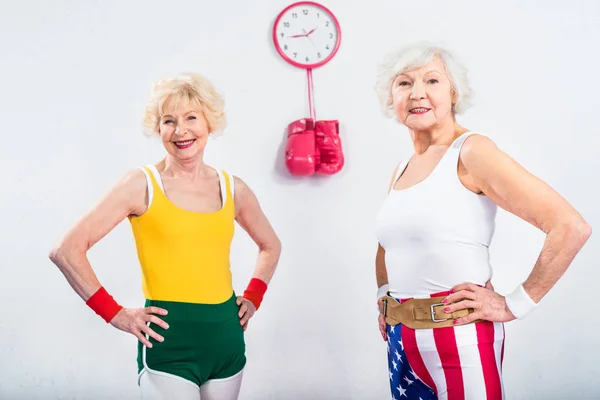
436,234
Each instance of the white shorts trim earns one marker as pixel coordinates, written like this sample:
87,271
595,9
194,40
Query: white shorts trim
153,371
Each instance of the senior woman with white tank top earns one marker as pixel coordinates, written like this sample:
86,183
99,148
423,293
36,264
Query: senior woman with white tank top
439,313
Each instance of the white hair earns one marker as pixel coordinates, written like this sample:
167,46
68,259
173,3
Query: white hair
417,55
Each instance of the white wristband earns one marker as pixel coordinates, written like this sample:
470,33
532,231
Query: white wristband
382,291
519,303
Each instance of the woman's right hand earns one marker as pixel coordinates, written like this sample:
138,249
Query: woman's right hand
382,323
135,321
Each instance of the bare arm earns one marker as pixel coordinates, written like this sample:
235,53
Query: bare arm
125,198
380,269
516,190
381,274
251,218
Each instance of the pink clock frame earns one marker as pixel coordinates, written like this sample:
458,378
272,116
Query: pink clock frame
294,63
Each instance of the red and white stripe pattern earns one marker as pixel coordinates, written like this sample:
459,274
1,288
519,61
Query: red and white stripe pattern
458,363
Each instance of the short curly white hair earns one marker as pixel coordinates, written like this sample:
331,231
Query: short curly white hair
417,55
184,89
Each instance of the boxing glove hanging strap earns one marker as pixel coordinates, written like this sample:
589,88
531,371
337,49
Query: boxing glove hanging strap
311,101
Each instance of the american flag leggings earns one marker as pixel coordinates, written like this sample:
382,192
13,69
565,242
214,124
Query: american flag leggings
452,363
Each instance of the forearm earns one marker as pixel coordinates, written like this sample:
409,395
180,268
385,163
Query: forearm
560,248
268,257
380,270
77,270
266,262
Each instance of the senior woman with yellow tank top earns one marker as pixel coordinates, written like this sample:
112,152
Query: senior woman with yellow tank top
182,212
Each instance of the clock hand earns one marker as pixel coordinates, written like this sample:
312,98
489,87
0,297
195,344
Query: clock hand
306,35
296,36
311,31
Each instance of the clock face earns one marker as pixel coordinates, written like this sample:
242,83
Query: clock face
306,34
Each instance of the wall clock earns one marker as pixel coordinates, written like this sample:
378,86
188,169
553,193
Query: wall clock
306,34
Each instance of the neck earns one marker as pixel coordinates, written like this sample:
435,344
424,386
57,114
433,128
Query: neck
189,169
440,134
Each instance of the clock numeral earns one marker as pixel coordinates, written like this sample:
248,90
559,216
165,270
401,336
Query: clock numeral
327,47
281,34
294,15
326,23
295,54
307,60
286,24
319,55
330,35
305,12
318,16
285,47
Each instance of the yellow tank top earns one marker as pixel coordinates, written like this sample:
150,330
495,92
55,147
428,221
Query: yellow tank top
184,255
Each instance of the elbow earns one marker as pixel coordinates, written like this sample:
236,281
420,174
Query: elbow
276,248
56,255
62,254
578,231
585,230
273,248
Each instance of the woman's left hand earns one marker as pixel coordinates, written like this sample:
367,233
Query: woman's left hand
247,310
488,305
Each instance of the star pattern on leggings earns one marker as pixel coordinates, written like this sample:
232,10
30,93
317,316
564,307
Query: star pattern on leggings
404,382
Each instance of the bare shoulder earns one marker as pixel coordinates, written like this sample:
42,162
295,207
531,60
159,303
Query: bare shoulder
243,195
512,187
250,216
126,197
476,154
132,187
248,211
134,179
240,185
477,146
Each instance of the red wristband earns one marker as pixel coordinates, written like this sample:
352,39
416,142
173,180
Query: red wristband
103,304
255,291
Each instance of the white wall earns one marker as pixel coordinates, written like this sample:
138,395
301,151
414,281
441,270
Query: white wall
74,78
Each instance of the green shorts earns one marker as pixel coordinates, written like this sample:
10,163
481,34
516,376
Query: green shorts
203,342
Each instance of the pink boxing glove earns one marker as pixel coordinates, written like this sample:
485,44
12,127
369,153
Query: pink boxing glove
300,150
329,147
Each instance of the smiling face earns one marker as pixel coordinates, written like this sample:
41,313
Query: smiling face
183,128
423,96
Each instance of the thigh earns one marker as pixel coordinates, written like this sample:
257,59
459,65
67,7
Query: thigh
223,349
405,374
479,349
160,387
464,362
222,389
